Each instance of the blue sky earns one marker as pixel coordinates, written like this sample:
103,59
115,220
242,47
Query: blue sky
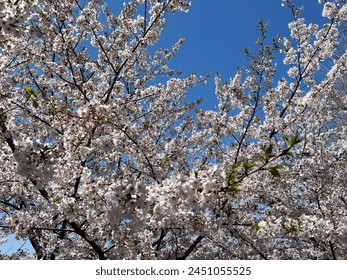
216,34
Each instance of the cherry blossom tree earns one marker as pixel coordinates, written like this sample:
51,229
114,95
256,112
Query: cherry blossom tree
338,101
102,157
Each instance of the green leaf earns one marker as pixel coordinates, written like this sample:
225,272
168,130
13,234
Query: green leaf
268,154
27,95
247,165
233,172
262,159
229,210
232,187
70,207
54,111
235,166
278,166
196,173
127,198
29,90
274,170
287,152
293,228
268,151
30,158
35,104
294,140
166,159
256,227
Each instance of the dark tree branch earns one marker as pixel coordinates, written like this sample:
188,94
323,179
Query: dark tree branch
249,243
92,243
158,242
120,68
331,245
191,248
8,137
39,250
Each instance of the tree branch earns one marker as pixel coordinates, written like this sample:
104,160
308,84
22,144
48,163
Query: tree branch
92,243
191,248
